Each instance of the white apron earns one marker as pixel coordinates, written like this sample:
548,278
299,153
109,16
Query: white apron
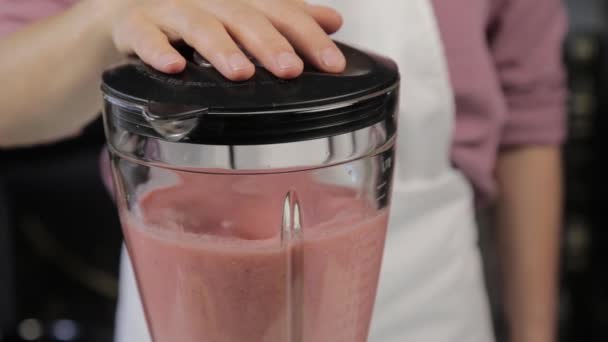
431,286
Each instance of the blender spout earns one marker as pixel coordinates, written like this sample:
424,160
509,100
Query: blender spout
173,122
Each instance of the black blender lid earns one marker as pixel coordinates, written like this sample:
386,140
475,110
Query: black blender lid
326,99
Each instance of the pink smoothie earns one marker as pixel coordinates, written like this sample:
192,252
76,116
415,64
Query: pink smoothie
211,265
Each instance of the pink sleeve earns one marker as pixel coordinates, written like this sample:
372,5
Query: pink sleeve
526,40
15,14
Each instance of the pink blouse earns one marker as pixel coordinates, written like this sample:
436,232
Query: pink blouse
505,61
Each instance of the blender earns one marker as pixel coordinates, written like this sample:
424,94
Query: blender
254,211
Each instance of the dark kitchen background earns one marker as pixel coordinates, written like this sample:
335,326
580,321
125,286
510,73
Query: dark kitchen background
60,237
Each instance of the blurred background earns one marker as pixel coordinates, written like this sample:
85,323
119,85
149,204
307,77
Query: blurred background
60,237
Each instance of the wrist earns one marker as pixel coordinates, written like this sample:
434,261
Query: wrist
533,332
533,337
99,17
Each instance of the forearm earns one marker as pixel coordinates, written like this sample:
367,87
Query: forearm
528,236
65,54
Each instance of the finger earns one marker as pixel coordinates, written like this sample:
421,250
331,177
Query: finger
328,18
208,36
304,33
256,33
138,35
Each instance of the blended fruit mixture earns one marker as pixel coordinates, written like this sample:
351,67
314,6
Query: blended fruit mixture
211,265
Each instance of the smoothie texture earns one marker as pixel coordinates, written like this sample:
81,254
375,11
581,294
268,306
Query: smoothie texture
214,264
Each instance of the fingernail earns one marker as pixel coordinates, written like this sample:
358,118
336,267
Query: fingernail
238,62
288,60
331,57
168,60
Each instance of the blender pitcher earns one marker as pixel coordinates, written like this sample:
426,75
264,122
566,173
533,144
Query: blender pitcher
254,211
